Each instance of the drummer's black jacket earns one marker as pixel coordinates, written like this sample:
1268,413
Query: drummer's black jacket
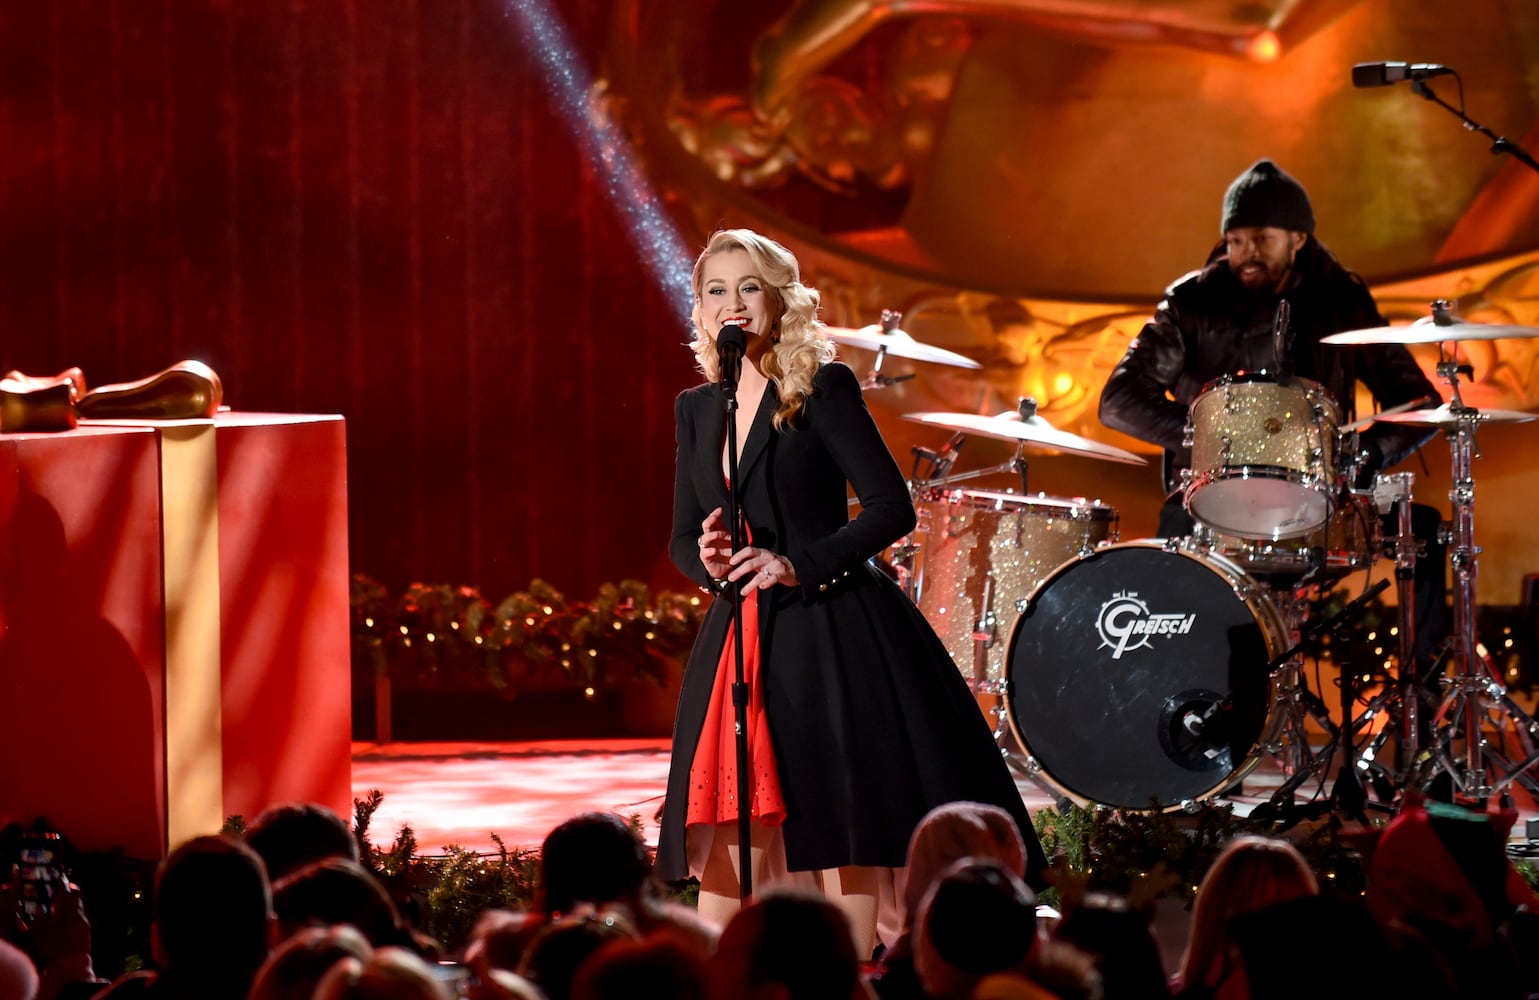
1209,325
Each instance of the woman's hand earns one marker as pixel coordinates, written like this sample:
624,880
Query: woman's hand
762,568
715,545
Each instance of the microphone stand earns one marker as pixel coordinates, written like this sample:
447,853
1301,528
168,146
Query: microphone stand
740,683
1499,144
1280,338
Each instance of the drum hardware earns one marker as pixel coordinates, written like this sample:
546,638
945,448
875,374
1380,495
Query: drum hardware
1399,702
1347,793
983,638
1021,764
1473,698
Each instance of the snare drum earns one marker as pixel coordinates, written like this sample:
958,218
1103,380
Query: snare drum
1118,657
1349,541
980,552
1263,456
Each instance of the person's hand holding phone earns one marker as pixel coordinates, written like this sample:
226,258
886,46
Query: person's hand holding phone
13,926
63,932
42,872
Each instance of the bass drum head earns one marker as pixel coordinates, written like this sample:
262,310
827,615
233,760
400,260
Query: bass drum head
1117,657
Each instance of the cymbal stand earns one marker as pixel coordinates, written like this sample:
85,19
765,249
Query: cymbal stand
1286,734
1473,695
1401,701
1405,574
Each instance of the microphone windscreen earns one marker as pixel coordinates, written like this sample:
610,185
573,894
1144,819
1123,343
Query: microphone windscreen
1371,75
731,338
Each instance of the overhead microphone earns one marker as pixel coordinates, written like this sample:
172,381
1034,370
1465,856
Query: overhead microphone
1280,334
730,345
1382,74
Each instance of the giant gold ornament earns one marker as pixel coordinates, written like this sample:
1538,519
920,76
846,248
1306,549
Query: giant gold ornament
186,390
39,403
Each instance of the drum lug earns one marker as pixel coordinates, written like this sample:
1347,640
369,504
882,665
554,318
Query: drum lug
986,631
1188,435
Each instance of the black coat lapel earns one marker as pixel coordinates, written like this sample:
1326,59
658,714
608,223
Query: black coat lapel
759,433
711,419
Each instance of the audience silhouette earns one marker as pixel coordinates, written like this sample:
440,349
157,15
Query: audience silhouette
1446,915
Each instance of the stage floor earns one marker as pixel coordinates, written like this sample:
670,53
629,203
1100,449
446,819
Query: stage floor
462,793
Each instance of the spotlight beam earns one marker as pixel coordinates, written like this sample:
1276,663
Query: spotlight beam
571,89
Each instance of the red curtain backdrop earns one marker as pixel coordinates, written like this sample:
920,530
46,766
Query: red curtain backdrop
372,209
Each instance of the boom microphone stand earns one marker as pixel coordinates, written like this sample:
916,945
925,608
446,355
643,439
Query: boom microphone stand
730,346
1386,73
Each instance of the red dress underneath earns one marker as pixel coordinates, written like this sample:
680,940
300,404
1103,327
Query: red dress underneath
713,774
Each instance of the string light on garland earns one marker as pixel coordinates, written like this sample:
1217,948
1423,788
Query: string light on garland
441,637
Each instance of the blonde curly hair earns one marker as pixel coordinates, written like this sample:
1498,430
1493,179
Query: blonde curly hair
800,345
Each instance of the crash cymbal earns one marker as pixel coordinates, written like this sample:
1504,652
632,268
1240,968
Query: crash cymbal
1428,331
898,344
1011,426
1444,417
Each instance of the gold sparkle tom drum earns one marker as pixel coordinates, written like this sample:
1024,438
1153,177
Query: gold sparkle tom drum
1263,456
980,552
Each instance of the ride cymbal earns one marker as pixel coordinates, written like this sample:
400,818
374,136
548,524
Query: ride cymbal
1443,416
1011,426
898,344
1428,331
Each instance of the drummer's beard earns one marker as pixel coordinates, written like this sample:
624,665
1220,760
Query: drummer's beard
1263,274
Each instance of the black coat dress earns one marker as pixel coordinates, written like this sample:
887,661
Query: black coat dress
871,722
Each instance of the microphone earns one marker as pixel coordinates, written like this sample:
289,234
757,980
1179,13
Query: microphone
730,345
1382,74
1280,334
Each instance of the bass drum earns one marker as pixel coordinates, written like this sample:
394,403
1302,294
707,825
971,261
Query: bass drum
1138,678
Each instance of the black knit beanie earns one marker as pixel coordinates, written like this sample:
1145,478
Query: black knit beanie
1267,195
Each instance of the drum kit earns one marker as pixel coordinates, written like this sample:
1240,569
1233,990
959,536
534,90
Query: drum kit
1158,673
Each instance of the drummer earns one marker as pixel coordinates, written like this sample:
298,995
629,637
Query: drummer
1220,320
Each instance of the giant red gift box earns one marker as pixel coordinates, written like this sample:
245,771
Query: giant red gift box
174,606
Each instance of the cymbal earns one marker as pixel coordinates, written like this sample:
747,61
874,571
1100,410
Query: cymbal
1011,426
898,344
1428,331
1442,416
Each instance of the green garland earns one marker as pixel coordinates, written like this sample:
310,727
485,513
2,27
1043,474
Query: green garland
445,895
1147,855
442,637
